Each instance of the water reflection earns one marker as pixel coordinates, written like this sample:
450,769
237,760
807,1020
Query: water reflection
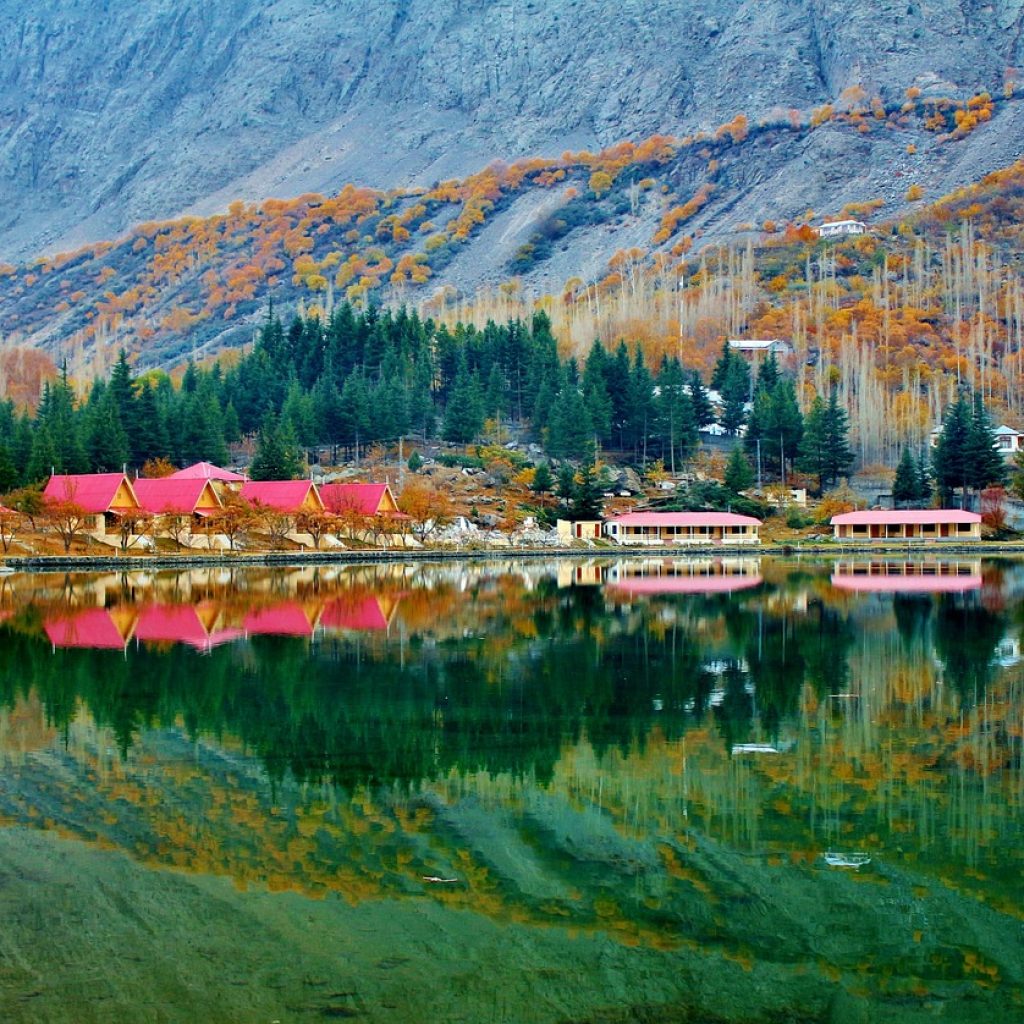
680,754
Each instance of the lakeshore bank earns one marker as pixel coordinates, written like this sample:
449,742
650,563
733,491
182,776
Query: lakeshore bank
143,561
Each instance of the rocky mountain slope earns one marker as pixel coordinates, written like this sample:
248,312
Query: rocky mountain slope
116,113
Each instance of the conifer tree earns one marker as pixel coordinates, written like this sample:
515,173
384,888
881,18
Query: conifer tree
543,482
464,416
703,413
738,473
839,455
814,453
277,453
906,483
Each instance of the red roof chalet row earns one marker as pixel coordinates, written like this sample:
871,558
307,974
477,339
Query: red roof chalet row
183,493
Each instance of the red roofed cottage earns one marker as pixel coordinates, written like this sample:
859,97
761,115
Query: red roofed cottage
359,499
103,496
666,528
908,524
177,496
292,497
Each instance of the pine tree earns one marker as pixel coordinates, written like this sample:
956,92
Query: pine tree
839,455
984,461
735,391
570,434
587,496
949,458
463,417
277,453
906,484
768,373
542,479
814,453
703,412
738,473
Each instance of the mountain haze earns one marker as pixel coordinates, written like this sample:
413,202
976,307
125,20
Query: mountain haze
113,113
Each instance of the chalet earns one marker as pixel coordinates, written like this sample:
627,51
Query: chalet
178,496
907,524
839,228
685,528
103,496
359,499
291,497
754,348
208,471
1008,440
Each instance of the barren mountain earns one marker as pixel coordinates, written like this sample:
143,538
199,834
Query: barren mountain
112,113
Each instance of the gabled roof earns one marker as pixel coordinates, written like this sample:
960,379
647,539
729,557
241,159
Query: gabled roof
684,519
1004,431
170,494
280,495
91,628
94,492
170,623
915,516
361,613
285,619
207,471
363,499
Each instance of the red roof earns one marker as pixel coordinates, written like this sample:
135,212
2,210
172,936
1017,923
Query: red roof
713,584
363,614
280,495
917,516
91,628
170,623
684,519
363,499
287,619
94,492
906,584
170,494
207,471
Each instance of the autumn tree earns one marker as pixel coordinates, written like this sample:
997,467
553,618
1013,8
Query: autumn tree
427,507
65,517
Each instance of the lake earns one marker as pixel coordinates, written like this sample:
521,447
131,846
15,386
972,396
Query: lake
686,790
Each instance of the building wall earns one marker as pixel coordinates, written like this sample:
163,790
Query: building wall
907,531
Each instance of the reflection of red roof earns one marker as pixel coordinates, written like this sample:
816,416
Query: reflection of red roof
917,516
716,584
94,492
170,623
363,499
91,628
906,584
280,495
709,519
168,494
363,613
206,471
286,619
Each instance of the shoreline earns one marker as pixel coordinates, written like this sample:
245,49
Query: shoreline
271,559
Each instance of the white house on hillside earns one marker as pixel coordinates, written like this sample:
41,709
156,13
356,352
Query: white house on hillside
837,228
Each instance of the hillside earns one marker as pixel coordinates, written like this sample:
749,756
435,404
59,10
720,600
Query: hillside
195,285
135,112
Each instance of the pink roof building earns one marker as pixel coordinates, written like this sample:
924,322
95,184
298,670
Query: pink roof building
207,471
177,495
907,524
669,528
360,499
362,613
92,628
291,497
96,493
285,619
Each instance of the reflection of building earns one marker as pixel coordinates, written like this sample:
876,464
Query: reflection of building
689,528
1007,652
693,576
908,577
908,524
579,574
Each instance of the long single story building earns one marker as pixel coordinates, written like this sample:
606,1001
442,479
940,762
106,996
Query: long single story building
665,528
908,524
